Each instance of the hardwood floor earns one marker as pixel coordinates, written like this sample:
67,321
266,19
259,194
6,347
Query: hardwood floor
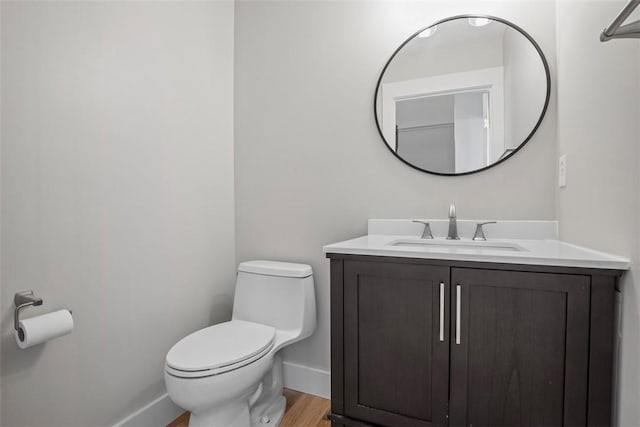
303,410
181,421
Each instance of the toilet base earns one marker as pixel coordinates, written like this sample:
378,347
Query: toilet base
272,415
268,409
231,415
239,416
261,406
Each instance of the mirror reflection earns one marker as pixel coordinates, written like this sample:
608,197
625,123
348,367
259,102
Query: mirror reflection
462,95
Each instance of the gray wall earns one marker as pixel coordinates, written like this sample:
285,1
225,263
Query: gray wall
430,148
310,166
426,132
598,119
117,196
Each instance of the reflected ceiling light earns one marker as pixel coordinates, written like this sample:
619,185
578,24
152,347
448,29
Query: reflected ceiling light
428,32
479,22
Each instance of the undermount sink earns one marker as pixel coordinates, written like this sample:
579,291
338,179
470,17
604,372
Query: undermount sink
458,244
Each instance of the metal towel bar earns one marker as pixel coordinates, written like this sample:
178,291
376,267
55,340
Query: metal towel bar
618,31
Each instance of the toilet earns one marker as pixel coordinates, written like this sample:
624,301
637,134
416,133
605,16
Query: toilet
230,374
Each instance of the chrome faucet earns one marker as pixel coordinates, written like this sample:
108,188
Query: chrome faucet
453,224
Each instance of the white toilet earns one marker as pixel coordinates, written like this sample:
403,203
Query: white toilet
230,374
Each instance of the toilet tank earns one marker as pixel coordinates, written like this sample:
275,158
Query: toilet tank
278,294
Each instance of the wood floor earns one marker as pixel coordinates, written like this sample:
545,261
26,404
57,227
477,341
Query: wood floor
303,410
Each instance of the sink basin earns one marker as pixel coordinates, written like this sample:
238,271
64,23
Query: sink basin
458,244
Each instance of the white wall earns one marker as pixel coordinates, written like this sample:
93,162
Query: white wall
1,116
117,196
525,84
425,111
117,171
470,133
310,165
420,58
598,116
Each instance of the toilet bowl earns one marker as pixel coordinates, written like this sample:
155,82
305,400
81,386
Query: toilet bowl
230,374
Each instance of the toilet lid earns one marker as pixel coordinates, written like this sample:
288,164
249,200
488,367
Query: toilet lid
220,345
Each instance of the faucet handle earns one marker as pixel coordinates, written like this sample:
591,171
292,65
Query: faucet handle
426,233
479,234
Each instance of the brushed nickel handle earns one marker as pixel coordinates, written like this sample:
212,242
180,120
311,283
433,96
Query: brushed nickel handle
458,304
441,311
479,234
426,232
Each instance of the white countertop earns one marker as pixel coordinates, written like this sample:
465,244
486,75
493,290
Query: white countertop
535,252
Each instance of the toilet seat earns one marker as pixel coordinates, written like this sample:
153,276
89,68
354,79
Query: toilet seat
219,348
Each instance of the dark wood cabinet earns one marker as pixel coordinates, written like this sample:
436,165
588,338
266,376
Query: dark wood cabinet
425,342
396,361
520,355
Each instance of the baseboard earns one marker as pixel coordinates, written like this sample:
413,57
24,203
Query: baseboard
307,380
160,412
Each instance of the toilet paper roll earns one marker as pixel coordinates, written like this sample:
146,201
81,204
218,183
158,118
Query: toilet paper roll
43,328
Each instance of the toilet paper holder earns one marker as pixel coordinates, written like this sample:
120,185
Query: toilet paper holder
22,300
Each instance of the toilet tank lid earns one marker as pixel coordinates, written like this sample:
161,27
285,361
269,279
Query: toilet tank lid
276,268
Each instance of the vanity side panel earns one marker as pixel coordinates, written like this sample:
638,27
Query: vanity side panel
337,337
601,350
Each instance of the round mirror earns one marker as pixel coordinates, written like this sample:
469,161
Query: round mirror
462,95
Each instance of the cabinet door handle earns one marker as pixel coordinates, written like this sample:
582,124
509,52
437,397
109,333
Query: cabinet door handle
458,303
441,311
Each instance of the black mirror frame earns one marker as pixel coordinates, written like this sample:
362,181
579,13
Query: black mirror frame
533,131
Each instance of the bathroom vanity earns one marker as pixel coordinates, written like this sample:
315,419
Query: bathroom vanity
511,331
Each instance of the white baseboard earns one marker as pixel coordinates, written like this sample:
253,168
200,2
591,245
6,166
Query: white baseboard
308,380
160,412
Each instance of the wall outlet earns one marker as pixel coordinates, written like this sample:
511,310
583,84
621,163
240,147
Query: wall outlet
562,171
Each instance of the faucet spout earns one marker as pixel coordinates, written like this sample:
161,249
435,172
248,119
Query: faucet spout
453,224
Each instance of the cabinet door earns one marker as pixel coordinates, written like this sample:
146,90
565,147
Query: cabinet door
396,343
519,348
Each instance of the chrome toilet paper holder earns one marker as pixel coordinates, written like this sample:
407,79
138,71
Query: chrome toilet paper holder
22,300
